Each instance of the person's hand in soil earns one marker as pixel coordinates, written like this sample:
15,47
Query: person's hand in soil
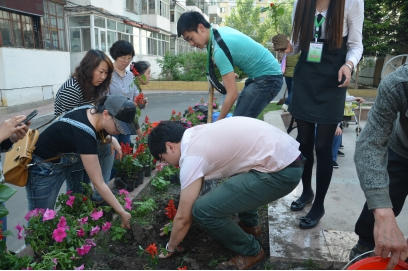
125,217
164,230
167,254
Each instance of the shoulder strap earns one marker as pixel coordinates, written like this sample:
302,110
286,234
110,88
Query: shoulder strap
222,45
79,125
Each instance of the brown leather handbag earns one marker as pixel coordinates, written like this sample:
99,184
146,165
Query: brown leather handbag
17,159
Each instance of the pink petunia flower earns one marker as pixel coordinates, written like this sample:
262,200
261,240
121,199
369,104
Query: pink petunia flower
81,232
200,117
96,215
69,192
19,229
95,230
63,223
123,192
70,201
90,242
128,204
106,226
49,214
35,212
83,220
83,250
55,260
59,235
81,267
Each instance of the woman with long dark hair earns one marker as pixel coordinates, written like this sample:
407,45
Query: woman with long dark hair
329,35
89,82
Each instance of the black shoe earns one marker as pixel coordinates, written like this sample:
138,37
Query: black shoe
341,147
340,153
298,204
359,249
308,223
335,165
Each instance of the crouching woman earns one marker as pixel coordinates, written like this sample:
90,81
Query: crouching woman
72,139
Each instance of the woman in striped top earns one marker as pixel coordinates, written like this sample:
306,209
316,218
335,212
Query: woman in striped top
90,81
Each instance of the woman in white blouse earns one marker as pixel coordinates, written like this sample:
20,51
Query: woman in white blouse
329,35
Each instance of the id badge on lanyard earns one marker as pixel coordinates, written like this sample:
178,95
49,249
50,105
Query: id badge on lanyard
315,48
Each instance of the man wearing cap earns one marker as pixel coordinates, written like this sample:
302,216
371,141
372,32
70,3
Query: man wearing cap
259,168
70,142
263,70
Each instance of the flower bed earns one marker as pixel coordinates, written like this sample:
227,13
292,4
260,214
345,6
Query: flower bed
132,252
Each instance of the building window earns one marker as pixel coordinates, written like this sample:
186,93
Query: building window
157,44
158,7
79,33
106,32
19,30
53,26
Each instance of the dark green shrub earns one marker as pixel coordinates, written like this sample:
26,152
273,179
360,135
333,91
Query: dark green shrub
188,67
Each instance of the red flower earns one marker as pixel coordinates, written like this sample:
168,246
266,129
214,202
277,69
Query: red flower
182,268
140,99
126,149
147,120
152,250
173,112
271,4
134,70
170,210
190,110
84,198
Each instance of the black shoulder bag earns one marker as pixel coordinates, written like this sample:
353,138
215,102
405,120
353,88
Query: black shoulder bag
212,78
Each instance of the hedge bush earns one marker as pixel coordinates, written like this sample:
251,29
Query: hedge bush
187,67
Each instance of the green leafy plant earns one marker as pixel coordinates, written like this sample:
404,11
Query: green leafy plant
128,166
166,171
159,183
144,207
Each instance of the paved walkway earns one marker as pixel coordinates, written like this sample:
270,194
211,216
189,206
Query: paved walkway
332,239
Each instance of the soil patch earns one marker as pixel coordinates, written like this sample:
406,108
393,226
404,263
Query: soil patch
201,250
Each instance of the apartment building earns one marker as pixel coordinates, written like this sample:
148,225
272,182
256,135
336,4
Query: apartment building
42,41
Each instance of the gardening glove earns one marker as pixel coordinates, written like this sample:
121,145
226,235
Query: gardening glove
125,217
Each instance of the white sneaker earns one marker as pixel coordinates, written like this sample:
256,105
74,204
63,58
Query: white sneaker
285,107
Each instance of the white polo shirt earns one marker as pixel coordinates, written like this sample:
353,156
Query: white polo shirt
234,145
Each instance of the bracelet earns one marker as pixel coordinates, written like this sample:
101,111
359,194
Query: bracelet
167,248
349,66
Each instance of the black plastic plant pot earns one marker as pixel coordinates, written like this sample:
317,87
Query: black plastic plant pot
147,170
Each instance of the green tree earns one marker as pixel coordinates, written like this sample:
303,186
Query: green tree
246,17
385,28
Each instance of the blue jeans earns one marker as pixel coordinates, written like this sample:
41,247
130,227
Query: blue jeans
4,223
257,94
288,81
336,145
45,180
105,157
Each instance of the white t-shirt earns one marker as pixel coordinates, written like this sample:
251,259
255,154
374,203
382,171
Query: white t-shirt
234,145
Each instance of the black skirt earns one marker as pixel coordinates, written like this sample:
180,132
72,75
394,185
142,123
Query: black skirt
316,95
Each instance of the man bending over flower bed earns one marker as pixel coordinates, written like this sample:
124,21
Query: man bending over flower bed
262,164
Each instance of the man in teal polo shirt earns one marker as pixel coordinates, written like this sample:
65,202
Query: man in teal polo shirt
263,70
